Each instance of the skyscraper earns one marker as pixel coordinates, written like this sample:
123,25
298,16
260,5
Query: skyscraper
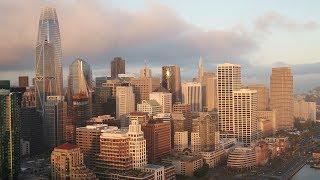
80,78
164,98
263,95
281,96
124,100
118,66
192,94
10,103
49,31
229,80
209,91
23,81
245,115
200,70
171,81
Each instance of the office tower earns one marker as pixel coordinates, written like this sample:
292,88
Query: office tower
45,74
100,81
114,152
118,66
207,127
54,121
180,141
31,128
245,115
10,103
164,98
158,138
29,98
185,111
124,100
141,117
145,72
4,84
200,71
80,79
67,163
100,101
142,87
281,96
305,111
209,91
263,96
171,81
137,146
155,83
49,32
80,110
88,140
23,81
192,94
152,107
229,80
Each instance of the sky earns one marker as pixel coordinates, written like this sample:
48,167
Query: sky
258,35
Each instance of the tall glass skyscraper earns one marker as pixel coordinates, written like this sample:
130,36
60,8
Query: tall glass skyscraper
48,53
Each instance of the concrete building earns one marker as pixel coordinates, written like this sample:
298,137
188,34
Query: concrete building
171,81
23,81
192,94
67,163
209,91
242,158
185,164
305,110
158,139
195,143
152,107
245,115
269,116
24,148
118,66
142,87
124,100
141,117
281,96
228,80
55,121
213,158
262,153
155,83
180,141
164,98
185,110
137,144
262,96
80,110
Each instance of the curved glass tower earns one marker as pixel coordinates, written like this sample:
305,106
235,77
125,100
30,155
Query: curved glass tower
80,78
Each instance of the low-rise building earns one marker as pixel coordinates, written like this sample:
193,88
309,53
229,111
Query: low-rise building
185,164
305,110
277,145
242,158
262,153
213,158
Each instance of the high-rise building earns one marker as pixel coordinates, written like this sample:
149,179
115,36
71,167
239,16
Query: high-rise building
100,81
54,122
245,115
164,98
137,145
305,110
4,84
80,78
141,117
155,83
192,94
29,98
145,72
263,96
142,87
180,141
67,163
171,81
200,70
23,81
49,31
118,66
80,110
124,100
209,91
229,80
281,96
152,107
10,103
158,138
207,126
45,74
88,140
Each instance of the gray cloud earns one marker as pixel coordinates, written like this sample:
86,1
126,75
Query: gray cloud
276,20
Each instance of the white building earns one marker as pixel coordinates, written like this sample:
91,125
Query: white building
125,100
137,144
305,110
180,141
245,115
228,80
152,107
192,94
164,99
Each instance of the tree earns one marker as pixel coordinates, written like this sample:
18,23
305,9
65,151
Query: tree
201,171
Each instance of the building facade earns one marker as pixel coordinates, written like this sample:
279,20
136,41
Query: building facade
171,81
192,94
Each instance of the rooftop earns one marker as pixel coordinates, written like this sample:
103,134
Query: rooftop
67,146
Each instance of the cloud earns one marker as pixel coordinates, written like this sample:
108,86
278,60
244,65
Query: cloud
275,20
98,31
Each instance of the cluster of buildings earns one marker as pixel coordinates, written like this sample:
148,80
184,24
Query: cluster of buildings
126,127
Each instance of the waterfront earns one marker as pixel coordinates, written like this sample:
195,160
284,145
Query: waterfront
307,173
